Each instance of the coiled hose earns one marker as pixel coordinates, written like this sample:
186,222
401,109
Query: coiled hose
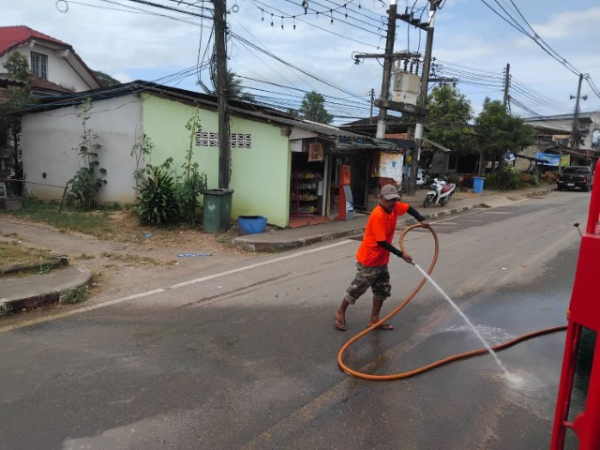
440,362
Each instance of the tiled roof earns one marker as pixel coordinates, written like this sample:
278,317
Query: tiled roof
11,37
45,85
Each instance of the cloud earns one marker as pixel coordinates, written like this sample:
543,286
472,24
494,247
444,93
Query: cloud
139,46
122,77
561,26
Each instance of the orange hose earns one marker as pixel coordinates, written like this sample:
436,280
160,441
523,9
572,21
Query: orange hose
440,362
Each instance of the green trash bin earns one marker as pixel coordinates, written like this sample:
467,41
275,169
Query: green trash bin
216,211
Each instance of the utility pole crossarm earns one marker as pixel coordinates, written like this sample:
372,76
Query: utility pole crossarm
393,56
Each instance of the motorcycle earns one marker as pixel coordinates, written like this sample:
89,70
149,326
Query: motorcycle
439,193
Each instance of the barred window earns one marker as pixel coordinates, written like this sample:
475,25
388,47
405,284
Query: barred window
39,65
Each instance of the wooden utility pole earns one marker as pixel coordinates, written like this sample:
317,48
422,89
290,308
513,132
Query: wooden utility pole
412,185
506,86
387,68
220,14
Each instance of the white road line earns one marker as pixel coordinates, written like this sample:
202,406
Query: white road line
162,290
252,266
80,310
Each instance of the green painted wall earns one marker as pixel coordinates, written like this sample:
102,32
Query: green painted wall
260,175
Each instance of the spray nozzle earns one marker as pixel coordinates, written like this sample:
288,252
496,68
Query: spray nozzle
576,225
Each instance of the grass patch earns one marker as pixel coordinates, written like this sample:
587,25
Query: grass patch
75,295
94,223
12,253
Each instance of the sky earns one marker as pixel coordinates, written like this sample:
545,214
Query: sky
281,53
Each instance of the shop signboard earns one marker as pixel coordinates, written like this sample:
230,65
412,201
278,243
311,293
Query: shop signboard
548,158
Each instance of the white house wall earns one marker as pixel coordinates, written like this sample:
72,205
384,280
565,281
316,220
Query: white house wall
59,70
49,140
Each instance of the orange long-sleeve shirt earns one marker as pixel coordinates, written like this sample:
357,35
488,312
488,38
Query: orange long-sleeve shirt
380,227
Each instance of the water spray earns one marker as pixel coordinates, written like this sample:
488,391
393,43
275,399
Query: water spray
466,319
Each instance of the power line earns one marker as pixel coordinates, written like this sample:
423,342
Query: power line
536,38
323,29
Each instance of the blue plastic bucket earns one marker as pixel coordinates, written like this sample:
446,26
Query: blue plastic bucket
252,224
478,185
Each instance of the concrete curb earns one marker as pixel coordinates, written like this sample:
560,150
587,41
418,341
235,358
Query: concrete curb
52,295
246,243
54,262
268,247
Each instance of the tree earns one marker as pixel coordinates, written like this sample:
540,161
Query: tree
235,89
498,132
293,112
313,108
105,79
449,114
17,65
15,99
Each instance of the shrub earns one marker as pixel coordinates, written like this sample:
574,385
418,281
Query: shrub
490,181
453,178
157,201
527,180
74,295
86,183
548,177
187,192
507,178
85,186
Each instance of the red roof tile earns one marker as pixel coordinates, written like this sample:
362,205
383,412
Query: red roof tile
11,37
45,85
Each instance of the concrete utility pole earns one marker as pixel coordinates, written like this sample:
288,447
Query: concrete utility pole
372,100
220,11
575,126
575,130
412,186
506,86
387,68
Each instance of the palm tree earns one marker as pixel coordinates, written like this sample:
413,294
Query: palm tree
235,90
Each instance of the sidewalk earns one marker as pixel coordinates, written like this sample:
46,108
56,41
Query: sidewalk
279,240
31,290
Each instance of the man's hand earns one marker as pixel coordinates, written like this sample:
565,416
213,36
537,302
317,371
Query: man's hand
406,257
425,224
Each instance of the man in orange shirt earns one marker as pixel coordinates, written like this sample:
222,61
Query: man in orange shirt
373,255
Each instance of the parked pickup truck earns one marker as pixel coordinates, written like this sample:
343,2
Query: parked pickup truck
575,177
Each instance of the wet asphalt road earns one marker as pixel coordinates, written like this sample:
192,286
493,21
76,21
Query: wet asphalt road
248,360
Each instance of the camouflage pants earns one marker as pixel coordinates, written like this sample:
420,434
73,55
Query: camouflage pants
378,278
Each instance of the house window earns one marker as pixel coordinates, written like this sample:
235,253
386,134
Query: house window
39,65
209,139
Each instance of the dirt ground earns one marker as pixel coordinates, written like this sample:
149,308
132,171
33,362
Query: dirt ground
134,257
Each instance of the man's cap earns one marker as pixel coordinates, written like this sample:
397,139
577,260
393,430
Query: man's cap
390,192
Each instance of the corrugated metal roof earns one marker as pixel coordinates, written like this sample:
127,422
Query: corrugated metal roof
349,140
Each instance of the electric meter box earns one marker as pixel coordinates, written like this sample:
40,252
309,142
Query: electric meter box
406,87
